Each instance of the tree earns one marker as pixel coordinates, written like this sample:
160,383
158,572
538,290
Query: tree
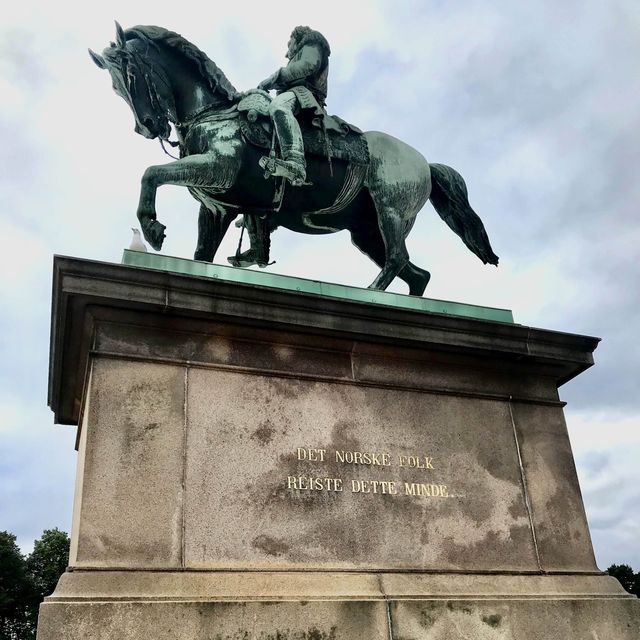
25,582
16,591
627,578
48,561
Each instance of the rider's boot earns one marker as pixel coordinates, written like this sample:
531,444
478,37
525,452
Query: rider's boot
259,231
291,169
292,166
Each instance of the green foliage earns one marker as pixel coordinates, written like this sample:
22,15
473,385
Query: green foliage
48,560
16,591
627,578
24,582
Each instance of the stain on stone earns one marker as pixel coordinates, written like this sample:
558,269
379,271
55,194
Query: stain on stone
151,426
264,433
517,509
428,616
270,546
287,389
316,634
459,606
492,620
342,438
313,633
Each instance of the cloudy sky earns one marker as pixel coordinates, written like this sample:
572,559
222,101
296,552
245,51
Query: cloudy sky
536,104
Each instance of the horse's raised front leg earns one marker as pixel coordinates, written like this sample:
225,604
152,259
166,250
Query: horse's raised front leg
193,171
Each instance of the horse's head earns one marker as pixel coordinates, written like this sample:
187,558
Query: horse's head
141,81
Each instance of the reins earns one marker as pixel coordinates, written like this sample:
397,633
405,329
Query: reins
172,143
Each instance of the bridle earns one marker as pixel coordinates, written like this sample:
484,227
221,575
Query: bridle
131,65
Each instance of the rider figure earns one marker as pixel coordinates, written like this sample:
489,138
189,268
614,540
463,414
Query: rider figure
301,85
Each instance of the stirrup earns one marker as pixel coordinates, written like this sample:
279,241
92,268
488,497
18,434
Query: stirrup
291,171
247,259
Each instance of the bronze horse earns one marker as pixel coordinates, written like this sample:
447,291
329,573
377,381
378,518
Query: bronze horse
164,78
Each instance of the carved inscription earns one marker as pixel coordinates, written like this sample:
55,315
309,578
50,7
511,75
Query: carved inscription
432,487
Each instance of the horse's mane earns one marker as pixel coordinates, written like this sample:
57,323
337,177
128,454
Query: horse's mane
207,68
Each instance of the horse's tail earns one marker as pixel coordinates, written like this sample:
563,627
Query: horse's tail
450,199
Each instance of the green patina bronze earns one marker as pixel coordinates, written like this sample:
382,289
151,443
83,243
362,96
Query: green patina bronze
264,279
281,161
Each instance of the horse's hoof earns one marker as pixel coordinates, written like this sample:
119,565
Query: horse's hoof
154,234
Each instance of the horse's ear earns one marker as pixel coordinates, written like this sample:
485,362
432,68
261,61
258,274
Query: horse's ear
120,37
99,60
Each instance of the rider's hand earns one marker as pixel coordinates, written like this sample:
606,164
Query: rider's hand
270,82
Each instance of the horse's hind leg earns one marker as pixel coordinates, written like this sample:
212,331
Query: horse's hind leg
396,256
369,241
212,226
399,182
416,278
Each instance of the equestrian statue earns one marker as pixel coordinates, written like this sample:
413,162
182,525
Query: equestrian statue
281,161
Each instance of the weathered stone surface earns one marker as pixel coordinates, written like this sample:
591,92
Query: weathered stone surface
216,620
584,619
558,516
195,397
129,512
316,605
246,586
243,447
88,292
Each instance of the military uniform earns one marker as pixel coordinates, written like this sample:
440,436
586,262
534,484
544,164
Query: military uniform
301,85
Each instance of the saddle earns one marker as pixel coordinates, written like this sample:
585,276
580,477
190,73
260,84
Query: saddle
324,136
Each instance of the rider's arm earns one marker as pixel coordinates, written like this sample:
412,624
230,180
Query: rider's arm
309,62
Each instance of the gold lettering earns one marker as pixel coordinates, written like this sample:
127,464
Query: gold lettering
385,487
313,455
304,483
427,490
363,457
416,462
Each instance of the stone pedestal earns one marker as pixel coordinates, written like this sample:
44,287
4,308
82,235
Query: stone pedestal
258,462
